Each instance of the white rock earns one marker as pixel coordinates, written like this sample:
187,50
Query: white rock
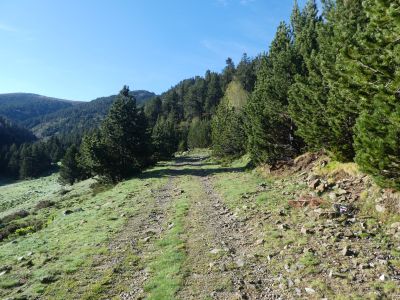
383,277
309,290
215,251
380,208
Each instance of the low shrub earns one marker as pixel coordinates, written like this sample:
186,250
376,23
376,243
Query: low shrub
14,216
44,204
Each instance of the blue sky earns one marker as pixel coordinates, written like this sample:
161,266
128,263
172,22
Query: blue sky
81,50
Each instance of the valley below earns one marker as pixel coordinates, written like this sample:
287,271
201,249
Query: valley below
194,229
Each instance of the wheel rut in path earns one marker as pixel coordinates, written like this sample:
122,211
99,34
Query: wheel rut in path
136,240
222,260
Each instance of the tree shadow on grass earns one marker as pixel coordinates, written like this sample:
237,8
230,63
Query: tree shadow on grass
189,166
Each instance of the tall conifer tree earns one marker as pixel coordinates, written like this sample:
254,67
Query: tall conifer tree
269,127
375,64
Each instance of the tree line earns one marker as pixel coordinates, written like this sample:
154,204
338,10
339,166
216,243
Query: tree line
330,81
28,158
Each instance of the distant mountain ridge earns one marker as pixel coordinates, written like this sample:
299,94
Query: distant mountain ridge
19,107
47,116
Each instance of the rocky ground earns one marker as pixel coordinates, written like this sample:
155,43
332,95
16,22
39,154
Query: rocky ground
307,229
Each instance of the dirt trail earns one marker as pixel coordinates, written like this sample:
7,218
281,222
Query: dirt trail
221,248
134,242
222,251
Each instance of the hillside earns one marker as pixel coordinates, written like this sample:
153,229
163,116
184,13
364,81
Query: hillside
47,116
13,134
19,107
193,229
78,118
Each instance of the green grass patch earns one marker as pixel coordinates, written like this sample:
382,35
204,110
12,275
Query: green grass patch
167,263
67,243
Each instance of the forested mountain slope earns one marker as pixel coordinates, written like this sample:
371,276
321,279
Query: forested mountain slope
13,134
79,118
19,107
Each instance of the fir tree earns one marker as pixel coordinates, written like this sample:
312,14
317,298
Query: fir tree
308,94
71,170
245,73
213,93
164,138
374,63
122,147
346,21
268,125
228,73
227,132
13,162
26,167
199,135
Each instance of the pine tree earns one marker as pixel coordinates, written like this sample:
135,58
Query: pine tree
268,125
308,94
199,135
71,170
213,93
152,109
346,20
26,167
94,155
375,62
246,73
122,147
164,138
13,161
227,132
227,74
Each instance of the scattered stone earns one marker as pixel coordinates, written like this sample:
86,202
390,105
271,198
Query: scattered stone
283,226
259,242
341,192
290,283
395,225
146,239
313,184
347,252
240,263
321,188
383,277
348,233
380,208
21,258
215,251
305,230
67,212
343,209
332,196
309,290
